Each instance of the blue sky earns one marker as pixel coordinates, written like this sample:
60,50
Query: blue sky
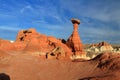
100,19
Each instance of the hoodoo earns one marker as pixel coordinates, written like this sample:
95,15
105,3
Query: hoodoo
74,41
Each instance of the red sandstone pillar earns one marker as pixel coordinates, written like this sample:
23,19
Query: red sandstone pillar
74,41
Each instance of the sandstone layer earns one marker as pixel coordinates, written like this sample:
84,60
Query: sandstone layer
74,41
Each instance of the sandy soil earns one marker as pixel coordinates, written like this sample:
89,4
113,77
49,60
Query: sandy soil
21,66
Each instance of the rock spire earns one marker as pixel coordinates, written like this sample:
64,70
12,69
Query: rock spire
74,41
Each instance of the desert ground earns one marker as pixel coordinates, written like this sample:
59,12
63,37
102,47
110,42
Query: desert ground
22,66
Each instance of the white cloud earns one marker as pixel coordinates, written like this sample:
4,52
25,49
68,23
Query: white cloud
9,28
106,11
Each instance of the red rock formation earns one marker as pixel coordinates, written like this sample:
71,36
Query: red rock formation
27,35
38,44
19,45
74,41
57,43
35,42
14,46
32,41
108,61
6,45
57,53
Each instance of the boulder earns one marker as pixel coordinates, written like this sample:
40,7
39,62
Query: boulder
57,53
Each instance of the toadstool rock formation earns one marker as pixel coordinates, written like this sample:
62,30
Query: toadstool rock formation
74,41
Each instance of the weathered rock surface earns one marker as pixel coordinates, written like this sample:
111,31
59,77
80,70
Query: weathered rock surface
6,45
32,41
74,41
46,44
108,61
27,35
57,53
3,54
103,46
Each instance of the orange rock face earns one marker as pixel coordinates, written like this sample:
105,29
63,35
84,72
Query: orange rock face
6,45
27,35
74,41
35,42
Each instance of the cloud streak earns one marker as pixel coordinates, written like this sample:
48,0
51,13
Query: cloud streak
99,19
9,28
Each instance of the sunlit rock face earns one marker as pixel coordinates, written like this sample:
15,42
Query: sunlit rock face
74,41
6,45
103,46
36,42
27,35
94,49
32,41
57,53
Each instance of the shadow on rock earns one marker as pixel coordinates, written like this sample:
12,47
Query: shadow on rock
4,76
102,77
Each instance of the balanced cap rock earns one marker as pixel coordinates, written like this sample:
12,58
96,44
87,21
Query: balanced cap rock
74,41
